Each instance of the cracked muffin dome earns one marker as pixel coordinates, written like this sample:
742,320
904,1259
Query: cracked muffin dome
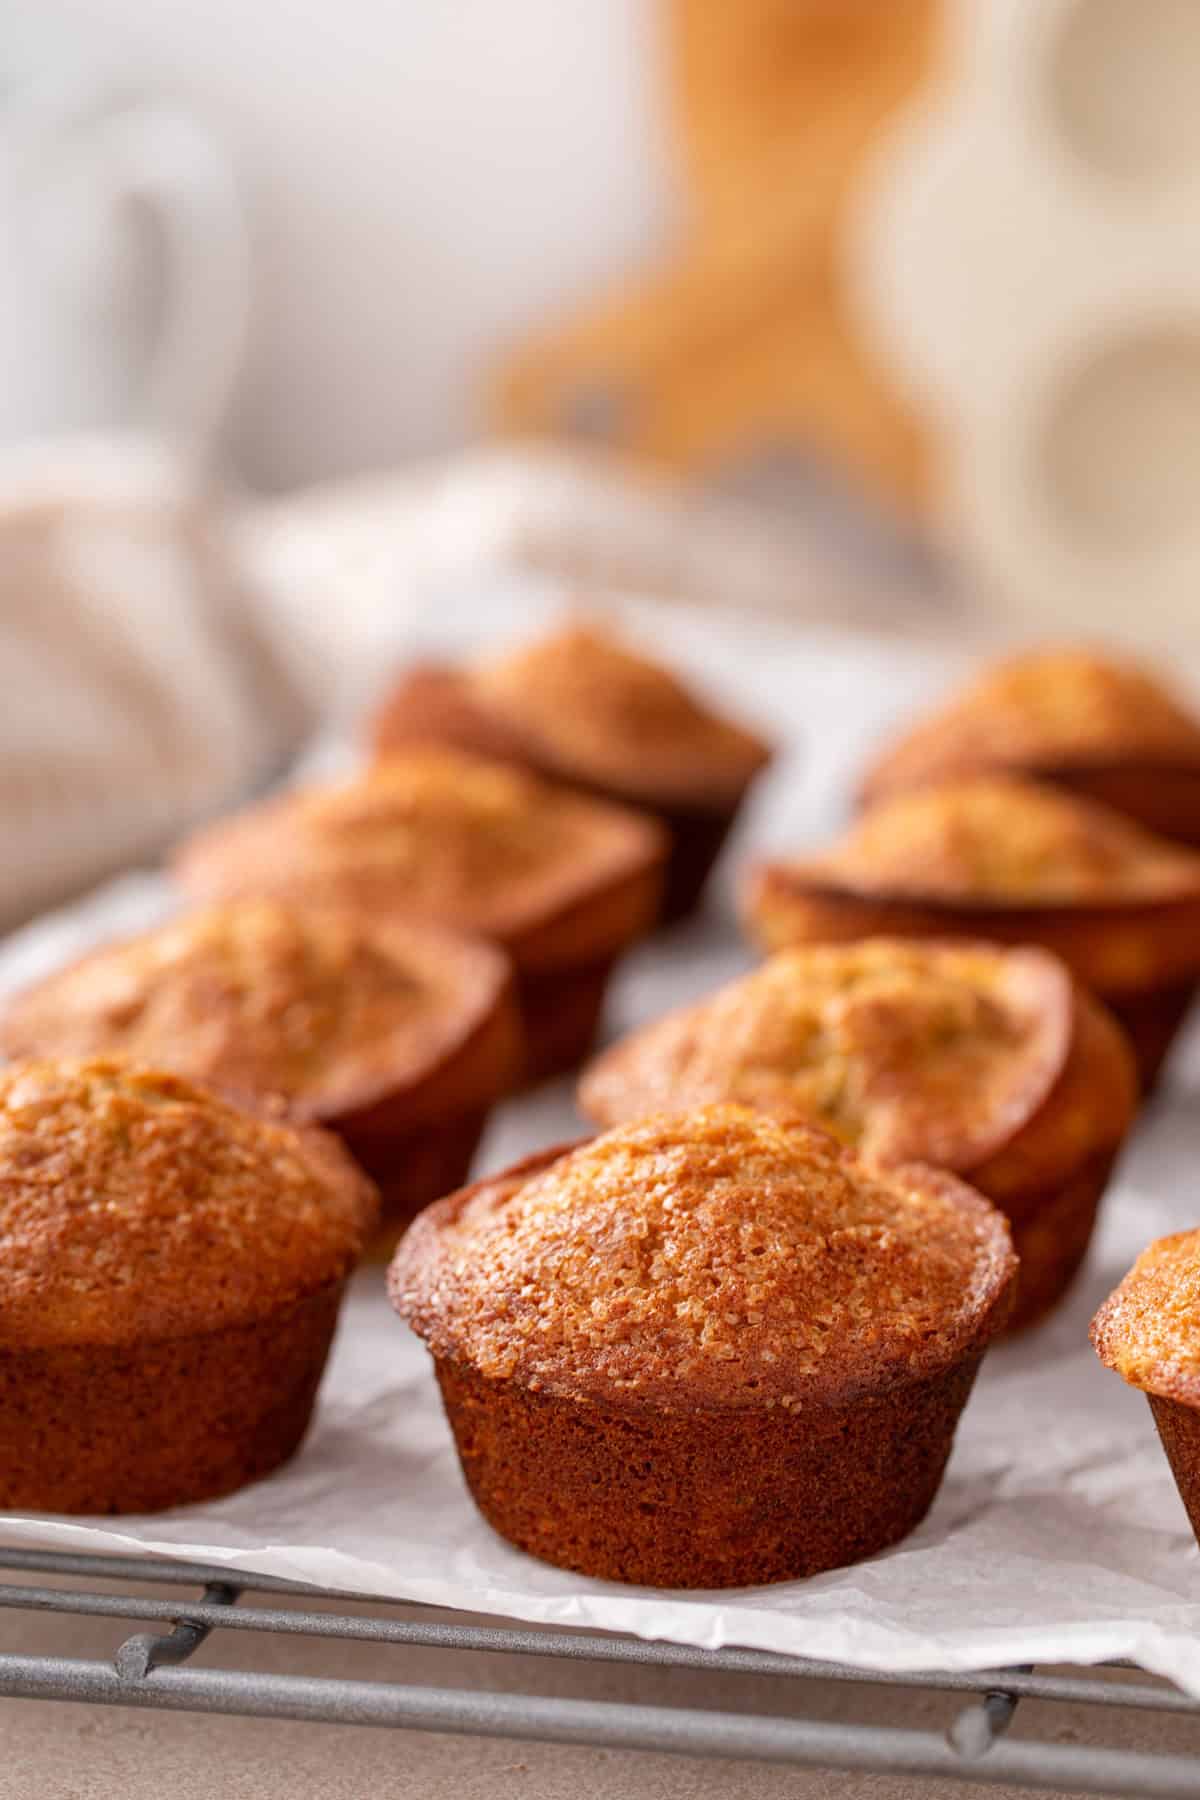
328,1011
437,833
716,1259
1050,712
585,707
1005,840
136,1208
906,1051
1148,1330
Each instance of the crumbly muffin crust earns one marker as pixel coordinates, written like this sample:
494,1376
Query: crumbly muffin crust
904,1050
598,711
434,833
716,1259
326,1010
1054,708
136,1207
1148,1330
1002,840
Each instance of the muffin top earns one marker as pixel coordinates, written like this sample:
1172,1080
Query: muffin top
710,1259
1148,1329
908,1051
1049,709
600,713
434,833
1000,840
134,1207
327,1010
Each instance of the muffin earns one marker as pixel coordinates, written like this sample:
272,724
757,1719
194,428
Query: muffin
1102,727
707,1349
1007,860
1147,1330
581,707
397,1036
989,1062
562,883
169,1287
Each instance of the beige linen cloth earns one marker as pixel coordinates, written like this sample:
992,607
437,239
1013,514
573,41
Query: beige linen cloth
137,688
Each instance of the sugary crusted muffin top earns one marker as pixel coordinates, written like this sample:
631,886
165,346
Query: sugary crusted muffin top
134,1206
433,832
259,997
1148,1329
709,1259
995,838
604,714
908,1051
1051,708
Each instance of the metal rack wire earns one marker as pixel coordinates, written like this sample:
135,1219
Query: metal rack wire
152,1668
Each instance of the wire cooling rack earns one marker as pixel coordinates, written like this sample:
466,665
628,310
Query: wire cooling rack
152,1668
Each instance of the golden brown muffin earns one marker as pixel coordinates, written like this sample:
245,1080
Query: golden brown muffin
580,707
1148,1330
705,1350
397,1036
1007,860
989,1062
1103,727
169,1285
562,883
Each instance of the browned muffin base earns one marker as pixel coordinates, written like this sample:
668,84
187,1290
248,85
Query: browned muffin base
1162,797
560,1011
703,1500
139,1427
1179,1429
1051,1237
697,839
696,836
1152,1022
414,1169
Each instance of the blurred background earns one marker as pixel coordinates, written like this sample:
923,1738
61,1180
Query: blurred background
314,320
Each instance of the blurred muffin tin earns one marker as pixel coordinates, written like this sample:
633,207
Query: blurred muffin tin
1026,254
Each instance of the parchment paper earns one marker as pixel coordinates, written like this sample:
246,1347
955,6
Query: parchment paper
1057,1533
